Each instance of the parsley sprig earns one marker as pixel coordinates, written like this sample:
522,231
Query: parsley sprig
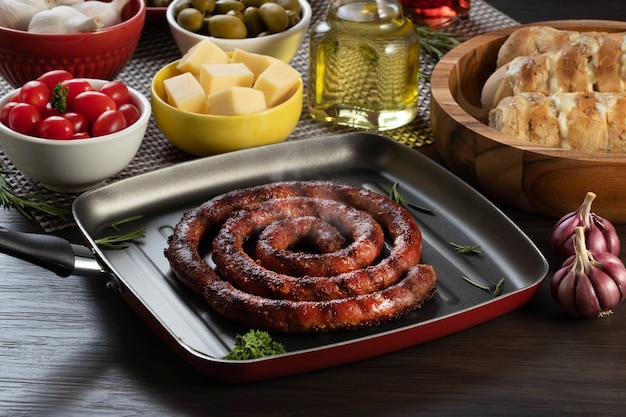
254,344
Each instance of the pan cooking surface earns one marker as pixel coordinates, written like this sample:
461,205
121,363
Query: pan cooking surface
184,320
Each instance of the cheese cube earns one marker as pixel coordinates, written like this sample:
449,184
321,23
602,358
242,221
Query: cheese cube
277,82
236,100
215,77
256,62
204,52
185,92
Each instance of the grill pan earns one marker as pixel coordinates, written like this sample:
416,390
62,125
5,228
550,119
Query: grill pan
141,274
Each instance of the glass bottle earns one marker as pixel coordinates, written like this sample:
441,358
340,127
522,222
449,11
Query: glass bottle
364,65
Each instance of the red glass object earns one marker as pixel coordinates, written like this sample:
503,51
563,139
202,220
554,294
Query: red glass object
436,13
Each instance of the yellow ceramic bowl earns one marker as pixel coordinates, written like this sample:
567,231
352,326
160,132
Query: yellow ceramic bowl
205,134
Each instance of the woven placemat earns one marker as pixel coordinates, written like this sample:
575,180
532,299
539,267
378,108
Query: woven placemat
157,48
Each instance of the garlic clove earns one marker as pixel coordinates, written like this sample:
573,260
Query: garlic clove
110,12
606,290
587,303
15,14
63,19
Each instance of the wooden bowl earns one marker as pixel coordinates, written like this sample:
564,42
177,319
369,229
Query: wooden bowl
541,180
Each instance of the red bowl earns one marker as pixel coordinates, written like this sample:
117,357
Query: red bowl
102,54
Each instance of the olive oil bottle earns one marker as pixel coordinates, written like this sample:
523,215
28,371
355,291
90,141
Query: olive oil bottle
364,65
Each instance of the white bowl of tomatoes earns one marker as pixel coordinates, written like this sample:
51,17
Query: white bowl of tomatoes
72,134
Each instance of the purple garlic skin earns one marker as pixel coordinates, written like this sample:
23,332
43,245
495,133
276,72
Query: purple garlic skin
589,283
600,234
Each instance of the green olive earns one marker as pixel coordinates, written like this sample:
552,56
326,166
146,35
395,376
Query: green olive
293,5
190,19
294,18
160,3
205,6
253,21
274,17
181,6
253,3
227,26
236,13
224,6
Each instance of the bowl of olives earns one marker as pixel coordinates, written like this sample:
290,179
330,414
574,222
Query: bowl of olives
268,27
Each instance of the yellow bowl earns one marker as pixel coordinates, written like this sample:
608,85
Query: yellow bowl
205,134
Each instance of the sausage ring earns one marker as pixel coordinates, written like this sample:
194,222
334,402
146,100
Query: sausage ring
370,288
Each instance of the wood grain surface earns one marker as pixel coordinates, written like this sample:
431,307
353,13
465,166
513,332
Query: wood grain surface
69,347
543,180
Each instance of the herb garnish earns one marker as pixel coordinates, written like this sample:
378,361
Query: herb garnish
254,344
437,43
59,98
467,249
119,241
497,290
8,199
395,195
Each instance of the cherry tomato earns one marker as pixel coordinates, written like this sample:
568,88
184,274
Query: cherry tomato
54,77
78,121
5,111
49,111
75,86
55,127
92,104
35,93
81,135
24,118
110,121
117,90
131,113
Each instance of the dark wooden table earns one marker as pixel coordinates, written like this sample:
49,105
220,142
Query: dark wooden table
70,347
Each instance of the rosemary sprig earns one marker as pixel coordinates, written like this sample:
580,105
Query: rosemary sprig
395,195
466,249
475,284
10,199
437,43
497,290
119,241
116,225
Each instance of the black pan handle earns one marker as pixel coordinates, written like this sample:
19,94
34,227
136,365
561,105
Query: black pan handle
51,252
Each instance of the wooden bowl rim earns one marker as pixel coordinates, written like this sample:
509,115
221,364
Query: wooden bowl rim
449,104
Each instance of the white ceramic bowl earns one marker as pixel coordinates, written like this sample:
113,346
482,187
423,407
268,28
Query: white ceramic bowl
71,166
283,45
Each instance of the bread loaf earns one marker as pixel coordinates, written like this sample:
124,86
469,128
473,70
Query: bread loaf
528,39
590,63
589,122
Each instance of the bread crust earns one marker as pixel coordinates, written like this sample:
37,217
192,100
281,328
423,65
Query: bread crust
588,122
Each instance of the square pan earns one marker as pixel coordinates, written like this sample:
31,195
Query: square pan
186,323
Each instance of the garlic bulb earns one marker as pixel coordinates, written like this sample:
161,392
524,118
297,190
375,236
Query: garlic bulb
54,3
600,233
589,283
110,12
16,14
63,19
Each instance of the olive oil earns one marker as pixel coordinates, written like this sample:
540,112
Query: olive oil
363,66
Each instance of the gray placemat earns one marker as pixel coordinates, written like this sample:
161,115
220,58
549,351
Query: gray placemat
157,48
